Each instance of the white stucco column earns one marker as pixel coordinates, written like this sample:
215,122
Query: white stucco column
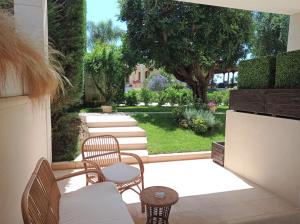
294,33
25,134
32,20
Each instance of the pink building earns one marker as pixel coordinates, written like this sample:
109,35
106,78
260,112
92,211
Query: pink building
137,78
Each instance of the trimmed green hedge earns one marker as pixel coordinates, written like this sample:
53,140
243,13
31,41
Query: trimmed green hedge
257,73
67,33
288,70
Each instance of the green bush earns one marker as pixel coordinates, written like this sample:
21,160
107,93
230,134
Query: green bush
66,135
288,70
171,95
257,73
178,113
219,97
162,98
145,96
192,113
199,126
184,96
131,98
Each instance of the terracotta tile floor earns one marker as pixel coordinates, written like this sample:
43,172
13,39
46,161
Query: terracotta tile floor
208,194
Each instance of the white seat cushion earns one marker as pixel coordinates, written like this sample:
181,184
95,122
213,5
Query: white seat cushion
120,173
95,204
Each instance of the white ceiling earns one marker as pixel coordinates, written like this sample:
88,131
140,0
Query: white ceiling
288,7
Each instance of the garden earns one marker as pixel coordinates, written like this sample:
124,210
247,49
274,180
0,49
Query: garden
175,105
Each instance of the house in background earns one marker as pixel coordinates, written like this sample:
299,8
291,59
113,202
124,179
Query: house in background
137,78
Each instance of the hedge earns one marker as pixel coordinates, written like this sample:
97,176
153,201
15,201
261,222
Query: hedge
288,70
66,136
257,73
67,34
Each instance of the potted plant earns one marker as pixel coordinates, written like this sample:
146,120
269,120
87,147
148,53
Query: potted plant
106,68
212,106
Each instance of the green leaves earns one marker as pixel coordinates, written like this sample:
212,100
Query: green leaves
271,34
106,67
190,41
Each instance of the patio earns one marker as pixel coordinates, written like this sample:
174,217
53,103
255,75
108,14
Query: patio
208,194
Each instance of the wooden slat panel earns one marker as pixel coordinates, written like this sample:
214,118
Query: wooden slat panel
283,102
248,100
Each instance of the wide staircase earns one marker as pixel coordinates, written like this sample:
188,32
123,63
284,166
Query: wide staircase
131,138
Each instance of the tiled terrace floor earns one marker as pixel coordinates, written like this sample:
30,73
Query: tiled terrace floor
208,194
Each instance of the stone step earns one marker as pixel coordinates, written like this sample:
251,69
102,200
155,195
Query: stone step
130,143
133,143
110,121
118,131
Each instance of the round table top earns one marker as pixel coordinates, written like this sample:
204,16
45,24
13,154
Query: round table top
150,196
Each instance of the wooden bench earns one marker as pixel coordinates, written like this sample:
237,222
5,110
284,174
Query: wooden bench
42,202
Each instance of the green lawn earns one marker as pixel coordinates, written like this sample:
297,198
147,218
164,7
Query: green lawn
164,136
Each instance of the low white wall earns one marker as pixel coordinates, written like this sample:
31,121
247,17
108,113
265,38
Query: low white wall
265,150
23,140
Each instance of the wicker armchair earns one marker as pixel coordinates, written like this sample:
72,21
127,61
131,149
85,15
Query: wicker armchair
103,153
40,200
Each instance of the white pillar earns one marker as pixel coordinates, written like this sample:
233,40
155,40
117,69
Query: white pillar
32,20
25,133
294,33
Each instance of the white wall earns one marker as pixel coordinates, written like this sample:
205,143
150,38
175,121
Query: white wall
294,32
265,150
25,129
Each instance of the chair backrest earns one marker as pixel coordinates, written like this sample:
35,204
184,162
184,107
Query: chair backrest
40,201
103,149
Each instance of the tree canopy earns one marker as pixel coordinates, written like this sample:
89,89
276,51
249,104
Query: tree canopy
271,34
106,66
191,41
103,32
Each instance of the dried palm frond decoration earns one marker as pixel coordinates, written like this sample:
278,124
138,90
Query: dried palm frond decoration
41,77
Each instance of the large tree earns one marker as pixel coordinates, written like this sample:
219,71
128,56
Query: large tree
191,41
106,66
271,34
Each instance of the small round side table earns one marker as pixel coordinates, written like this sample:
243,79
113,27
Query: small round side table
158,201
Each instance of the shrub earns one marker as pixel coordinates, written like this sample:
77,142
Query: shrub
131,98
192,113
184,96
178,113
171,95
199,126
288,70
257,73
66,137
162,98
219,97
145,96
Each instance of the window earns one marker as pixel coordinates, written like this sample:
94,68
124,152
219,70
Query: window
139,77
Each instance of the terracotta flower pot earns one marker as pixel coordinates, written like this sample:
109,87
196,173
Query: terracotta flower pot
213,108
106,109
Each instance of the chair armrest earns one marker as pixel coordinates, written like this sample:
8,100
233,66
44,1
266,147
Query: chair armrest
101,177
139,160
92,163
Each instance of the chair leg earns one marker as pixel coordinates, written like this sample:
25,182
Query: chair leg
142,204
